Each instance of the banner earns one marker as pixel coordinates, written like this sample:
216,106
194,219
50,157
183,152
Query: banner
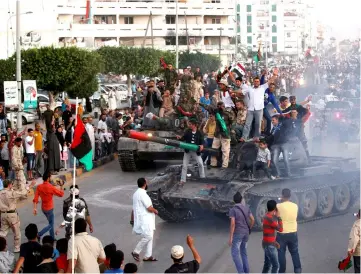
30,95
11,96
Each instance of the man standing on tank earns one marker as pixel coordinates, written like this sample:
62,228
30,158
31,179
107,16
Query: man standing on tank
192,136
288,237
242,222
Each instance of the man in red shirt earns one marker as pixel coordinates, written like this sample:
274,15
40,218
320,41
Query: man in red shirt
271,223
46,191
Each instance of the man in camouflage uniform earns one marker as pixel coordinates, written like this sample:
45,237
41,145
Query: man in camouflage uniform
17,154
170,78
9,216
222,139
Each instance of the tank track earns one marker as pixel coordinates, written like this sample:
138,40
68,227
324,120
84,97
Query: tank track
170,214
127,160
352,184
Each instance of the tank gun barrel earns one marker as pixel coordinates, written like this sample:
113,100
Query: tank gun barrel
141,136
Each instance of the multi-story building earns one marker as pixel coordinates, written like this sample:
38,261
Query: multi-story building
280,26
203,25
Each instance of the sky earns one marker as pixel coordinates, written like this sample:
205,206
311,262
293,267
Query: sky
343,16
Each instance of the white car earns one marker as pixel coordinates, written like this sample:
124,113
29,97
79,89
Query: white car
27,117
43,101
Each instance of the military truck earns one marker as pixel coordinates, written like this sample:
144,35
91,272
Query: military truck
327,187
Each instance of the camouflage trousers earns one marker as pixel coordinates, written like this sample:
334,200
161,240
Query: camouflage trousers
11,221
20,180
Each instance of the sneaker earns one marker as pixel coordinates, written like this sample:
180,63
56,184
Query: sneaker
273,177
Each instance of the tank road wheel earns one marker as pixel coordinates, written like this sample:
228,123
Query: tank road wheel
308,204
325,201
128,160
342,198
261,211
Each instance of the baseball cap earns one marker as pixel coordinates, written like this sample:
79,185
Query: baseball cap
177,252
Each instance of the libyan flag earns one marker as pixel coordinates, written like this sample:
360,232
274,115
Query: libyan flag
81,146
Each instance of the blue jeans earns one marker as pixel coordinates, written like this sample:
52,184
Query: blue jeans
238,129
270,259
30,160
290,241
276,151
268,118
239,251
50,217
206,154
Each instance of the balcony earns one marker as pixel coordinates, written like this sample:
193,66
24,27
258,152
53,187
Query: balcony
138,30
194,7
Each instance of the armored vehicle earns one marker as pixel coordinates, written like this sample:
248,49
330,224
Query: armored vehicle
325,187
134,155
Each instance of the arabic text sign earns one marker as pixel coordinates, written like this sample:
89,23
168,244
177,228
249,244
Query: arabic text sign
11,95
30,94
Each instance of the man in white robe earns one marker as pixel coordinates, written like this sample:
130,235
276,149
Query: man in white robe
143,221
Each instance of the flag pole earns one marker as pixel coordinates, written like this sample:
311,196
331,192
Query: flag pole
74,179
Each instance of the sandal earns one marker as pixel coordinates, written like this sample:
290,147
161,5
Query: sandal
135,256
150,259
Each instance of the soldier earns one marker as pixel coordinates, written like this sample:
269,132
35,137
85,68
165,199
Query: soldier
17,155
9,216
170,77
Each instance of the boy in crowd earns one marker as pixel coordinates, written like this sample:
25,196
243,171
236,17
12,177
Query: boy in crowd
7,258
263,160
62,260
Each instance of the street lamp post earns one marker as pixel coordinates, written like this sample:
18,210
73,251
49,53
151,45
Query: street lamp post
7,30
18,63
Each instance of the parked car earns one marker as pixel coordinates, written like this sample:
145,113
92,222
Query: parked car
27,117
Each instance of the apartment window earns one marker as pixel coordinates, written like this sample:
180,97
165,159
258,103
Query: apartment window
288,34
249,29
274,28
249,8
170,19
274,47
249,19
238,8
274,39
274,18
216,1
216,20
129,20
249,39
274,7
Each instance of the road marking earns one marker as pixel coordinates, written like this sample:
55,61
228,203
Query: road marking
99,198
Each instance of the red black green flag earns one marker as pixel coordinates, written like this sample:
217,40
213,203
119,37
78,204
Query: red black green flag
258,57
81,146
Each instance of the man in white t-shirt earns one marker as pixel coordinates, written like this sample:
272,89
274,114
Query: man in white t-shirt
143,221
30,153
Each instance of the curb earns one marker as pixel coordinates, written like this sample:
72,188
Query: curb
68,176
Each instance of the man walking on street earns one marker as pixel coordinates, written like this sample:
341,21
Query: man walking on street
46,191
17,154
177,254
271,223
288,237
242,222
143,221
30,153
354,244
9,216
38,135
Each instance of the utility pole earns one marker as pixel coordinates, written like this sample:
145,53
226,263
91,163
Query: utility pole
151,29
185,18
176,36
146,30
220,44
236,28
18,63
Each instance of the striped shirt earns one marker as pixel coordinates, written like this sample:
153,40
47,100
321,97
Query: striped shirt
271,224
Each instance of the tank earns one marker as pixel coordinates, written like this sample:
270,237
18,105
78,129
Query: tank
326,187
134,155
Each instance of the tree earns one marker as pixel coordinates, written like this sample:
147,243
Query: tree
132,61
62,69
7,73
206,62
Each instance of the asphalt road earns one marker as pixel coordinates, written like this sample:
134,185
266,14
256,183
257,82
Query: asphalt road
108,192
